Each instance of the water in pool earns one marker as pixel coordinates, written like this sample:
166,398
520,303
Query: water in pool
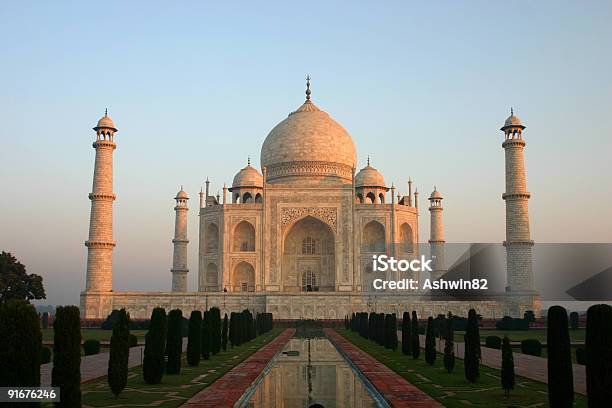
310,373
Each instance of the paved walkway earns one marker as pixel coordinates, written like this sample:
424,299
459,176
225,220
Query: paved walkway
96,366
395,389
227,390
527,366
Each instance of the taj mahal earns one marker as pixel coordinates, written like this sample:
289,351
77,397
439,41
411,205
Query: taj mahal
297,237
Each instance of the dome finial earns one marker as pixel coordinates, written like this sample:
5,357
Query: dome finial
308,92
106,112
249,160
368,159
511,111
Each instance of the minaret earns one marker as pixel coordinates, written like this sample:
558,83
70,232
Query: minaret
518,243
179,259
100,243
436,235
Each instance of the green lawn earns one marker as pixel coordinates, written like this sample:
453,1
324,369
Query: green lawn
452,389
95,334
174,389
519,335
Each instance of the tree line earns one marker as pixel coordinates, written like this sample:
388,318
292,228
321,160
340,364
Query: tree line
382,329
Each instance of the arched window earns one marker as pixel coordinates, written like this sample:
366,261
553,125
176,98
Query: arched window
244,237
359,198
258,198
211,238
247,198
406,238
370,198
308,246
373,237
381,198
309,281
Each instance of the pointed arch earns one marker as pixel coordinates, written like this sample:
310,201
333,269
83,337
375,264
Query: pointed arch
243,237
406,237
373,237
211,238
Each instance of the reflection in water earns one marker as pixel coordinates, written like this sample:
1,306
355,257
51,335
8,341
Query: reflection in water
320,378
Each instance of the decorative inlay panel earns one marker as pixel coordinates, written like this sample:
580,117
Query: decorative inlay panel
325,214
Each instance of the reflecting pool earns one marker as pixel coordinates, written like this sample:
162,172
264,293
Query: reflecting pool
311,373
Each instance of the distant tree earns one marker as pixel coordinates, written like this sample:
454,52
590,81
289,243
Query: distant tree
416,345
119,354
174,342
529,316
494,342
110,321
91,347
45,320
20,345
406,340
155,347
598,346
232,335
206,335
224,333
393,332
533,347
574,320
215,330
472,348
430,342
15,283
194,341
449,345
507,368
560,373
45,355
66,372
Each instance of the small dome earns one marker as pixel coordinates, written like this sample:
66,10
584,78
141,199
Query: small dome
513,121
435,195
248,177
182,195
105,122
369,177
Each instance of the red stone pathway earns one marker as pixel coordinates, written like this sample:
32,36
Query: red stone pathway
227,390
395,389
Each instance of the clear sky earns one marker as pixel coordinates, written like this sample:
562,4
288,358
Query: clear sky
194,88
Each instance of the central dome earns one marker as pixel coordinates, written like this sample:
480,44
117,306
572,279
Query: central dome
308,143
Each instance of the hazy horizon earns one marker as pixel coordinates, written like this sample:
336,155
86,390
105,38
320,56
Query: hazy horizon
195,88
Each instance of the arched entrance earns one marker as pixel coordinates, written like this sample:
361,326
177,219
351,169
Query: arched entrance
243,278
309,263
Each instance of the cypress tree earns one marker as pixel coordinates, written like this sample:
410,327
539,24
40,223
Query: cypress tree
598,346
416,345
449,345
155,347
560,375
472,348
406,340
224,333
430,342
45,320
507,368
194,341
394,341
174,341
66,372
574,320
206,335
215,327
232,329
119,354
20,345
